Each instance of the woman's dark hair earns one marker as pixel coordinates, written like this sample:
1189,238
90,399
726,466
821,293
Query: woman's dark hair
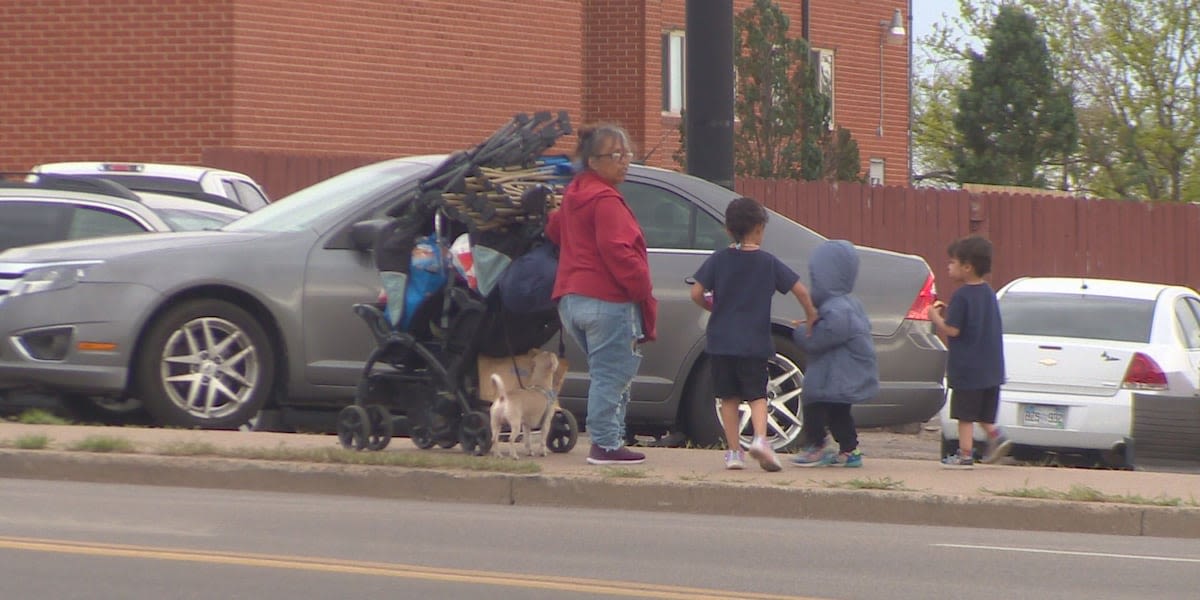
593,137
743,215
973,250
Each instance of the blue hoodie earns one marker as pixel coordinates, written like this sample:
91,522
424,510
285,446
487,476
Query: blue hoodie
841,353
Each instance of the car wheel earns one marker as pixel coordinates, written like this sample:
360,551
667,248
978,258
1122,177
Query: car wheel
205,364
785,373
105,411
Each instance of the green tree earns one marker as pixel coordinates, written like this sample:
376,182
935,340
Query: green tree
1134,67
1014,117
784,118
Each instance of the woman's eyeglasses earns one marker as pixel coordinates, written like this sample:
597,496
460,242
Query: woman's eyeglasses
617,156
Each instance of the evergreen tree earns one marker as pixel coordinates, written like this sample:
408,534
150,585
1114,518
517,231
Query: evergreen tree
1014,118
784,118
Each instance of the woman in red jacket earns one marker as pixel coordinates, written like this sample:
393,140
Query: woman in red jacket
603,285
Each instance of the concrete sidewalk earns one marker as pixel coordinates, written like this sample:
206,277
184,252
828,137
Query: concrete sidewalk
680,480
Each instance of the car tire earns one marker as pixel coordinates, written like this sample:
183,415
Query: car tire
105,411
205,364
784,418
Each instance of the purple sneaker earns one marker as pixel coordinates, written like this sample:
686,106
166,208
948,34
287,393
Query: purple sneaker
620,456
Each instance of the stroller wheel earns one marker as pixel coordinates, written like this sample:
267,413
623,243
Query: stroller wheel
564,432
381,428
447,443
353,427
474,433
422,436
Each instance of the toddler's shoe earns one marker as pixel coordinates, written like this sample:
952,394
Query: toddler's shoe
815,457
761,450
850,460
958,460
735,460
997,449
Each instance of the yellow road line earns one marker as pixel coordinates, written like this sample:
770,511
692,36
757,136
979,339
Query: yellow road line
333,565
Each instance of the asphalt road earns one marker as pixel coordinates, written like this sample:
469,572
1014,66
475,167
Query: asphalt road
68,540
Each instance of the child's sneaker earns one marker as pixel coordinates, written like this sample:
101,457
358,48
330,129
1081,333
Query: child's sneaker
735,460
849,460
762,452
997,449
958,460
815,457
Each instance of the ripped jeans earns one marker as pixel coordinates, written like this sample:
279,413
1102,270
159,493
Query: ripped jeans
608,333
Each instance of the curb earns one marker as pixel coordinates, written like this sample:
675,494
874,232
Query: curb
399,483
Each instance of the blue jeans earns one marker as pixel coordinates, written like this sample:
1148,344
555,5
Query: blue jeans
608,333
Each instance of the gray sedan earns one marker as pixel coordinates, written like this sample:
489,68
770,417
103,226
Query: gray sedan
208,328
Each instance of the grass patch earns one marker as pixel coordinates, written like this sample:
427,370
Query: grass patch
32,442
1083,493
415,460
623,473
188,449
37,416
870,483
102,443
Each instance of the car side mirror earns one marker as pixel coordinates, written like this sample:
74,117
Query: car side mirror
364,233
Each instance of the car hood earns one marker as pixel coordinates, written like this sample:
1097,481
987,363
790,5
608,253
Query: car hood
121,246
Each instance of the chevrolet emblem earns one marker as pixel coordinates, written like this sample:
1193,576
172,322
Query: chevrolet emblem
1049,362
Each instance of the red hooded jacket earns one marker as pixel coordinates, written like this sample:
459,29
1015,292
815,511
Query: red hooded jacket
602,253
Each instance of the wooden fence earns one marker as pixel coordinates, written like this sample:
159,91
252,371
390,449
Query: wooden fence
1033,235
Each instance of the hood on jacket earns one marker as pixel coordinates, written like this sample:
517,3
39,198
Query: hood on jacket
832,269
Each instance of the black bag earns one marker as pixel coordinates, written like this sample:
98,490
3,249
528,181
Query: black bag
527,285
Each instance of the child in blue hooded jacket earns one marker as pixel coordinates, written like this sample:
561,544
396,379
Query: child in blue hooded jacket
842,369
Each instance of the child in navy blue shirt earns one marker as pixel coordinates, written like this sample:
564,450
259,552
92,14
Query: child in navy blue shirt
743,278
975,362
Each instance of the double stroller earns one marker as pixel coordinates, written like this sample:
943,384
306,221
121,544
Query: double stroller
443,310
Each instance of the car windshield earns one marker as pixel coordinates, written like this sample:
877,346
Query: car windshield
1077,316
194,220
302,209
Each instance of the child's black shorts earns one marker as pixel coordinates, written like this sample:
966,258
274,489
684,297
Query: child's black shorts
975,406
739,377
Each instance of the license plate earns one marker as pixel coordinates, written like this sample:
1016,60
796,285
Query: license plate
1043,415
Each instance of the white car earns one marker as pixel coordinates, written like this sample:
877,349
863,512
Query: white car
201,183
1077,350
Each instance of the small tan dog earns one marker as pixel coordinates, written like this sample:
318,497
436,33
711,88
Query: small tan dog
522,408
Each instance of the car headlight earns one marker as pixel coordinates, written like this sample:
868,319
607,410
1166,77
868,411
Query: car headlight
47,279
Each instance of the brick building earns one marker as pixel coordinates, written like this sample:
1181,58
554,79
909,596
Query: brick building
169,81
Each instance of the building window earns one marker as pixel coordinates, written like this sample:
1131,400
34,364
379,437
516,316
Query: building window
673,46
822,59
875,175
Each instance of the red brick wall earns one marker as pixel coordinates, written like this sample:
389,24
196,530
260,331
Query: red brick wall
162,80
116,80
399,77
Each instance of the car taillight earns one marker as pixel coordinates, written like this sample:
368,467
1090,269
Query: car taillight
919,311
1144,374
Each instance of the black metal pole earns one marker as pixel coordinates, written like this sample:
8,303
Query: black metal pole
708,90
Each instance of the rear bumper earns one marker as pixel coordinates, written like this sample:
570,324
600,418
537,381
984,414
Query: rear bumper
1092,422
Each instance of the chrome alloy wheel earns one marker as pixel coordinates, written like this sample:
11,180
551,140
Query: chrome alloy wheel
209,367
784,417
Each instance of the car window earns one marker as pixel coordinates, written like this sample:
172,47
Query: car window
304,208
1187,314
194,220
671,221
1077,316
230,191
88,222
249,195
25,223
